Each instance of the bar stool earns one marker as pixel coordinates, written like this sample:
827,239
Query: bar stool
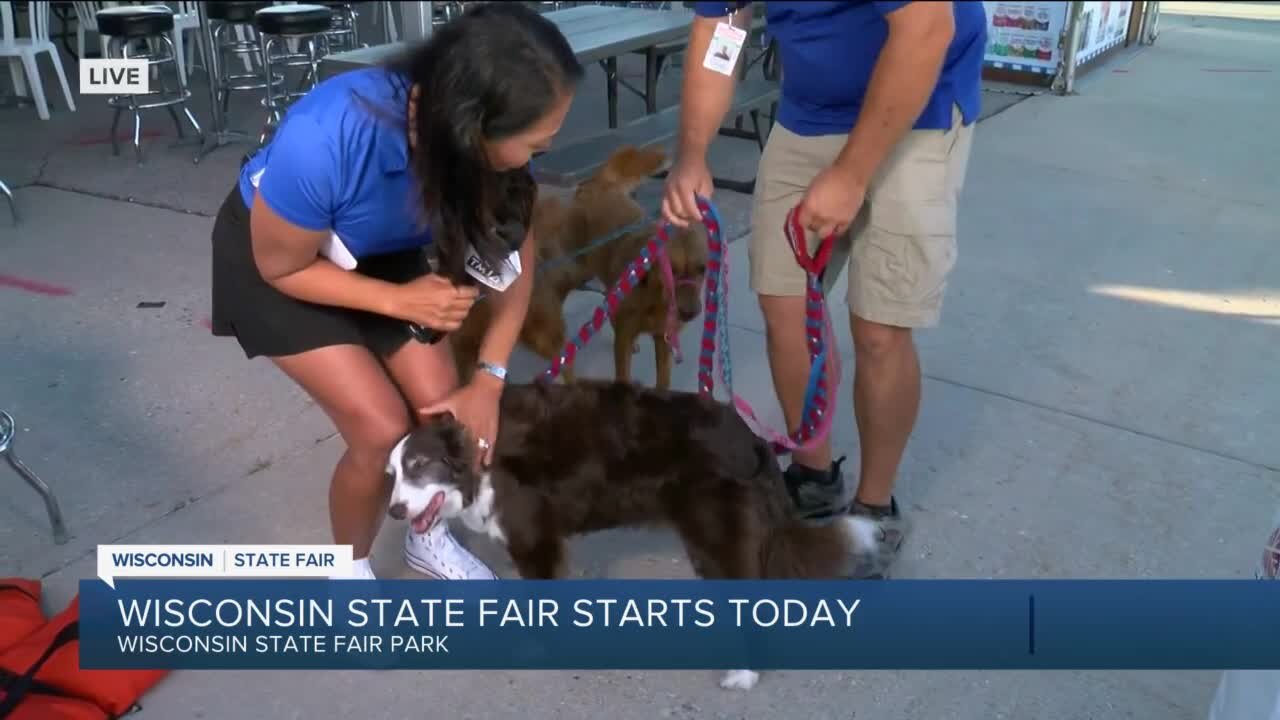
7,431
237,18
307,25
343,33
125,25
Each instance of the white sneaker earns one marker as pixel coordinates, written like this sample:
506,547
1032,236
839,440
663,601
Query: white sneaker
438,554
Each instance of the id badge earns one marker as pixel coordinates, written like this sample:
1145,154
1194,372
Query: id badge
726,45
499,279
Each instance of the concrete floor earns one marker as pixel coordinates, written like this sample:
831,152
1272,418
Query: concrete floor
1102,378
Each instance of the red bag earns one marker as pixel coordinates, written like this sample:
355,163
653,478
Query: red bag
20,613
39,706
41,679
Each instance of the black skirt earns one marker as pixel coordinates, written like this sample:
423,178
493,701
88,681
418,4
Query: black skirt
267,322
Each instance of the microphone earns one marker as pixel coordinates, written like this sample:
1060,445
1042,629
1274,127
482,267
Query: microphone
512,235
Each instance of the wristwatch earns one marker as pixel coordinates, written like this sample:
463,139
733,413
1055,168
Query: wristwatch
495,370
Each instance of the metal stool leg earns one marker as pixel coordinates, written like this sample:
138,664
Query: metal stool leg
192,119
267,42
223,96
13,205
182,92
137,115
312,75
113,46
155,44
7,430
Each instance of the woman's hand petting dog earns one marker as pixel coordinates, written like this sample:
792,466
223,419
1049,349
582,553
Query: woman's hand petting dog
475,405
432,301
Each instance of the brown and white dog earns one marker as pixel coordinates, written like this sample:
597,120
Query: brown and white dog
594,455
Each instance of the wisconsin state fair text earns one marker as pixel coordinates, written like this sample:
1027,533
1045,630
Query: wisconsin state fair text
487,612
432,613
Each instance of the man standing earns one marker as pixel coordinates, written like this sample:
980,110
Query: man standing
871,143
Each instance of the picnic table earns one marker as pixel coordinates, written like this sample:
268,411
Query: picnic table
597,33
602,33
755,34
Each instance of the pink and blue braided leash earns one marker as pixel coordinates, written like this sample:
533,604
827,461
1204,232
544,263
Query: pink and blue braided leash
824,357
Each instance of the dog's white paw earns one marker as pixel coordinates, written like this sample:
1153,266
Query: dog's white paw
863,532
740,680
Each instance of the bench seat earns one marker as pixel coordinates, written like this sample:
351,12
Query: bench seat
570,164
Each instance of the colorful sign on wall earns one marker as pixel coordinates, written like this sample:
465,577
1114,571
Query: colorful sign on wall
1103,25
1024,36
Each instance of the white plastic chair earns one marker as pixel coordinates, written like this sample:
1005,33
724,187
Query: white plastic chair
23,53
384,14
87,22
186,18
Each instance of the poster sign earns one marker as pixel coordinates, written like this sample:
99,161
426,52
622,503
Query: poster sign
1103,25
1023,36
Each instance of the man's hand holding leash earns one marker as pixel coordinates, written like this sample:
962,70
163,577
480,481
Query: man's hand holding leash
831,202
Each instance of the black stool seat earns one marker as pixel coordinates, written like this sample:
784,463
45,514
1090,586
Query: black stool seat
293,19
135,21
234,12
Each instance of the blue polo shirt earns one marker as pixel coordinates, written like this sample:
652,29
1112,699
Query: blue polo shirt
828,50
339,162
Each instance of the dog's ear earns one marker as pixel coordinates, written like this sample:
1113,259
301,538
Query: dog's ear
645,163
615,168
456,446
630,165
414,464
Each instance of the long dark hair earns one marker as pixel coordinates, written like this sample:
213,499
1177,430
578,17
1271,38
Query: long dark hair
487,75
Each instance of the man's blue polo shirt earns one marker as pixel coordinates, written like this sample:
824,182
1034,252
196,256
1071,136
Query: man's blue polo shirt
828,50
339,162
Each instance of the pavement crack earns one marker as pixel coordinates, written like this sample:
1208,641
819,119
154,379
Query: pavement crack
44,165
178,506
114,198
185,504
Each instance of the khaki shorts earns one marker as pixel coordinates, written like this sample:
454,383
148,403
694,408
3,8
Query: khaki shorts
901,246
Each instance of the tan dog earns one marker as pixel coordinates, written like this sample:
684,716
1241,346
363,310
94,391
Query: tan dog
600,207
645,310
544,328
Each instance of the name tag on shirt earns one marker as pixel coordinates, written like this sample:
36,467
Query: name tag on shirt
726,45
332,248
499,279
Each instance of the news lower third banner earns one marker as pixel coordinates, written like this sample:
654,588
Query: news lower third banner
309,623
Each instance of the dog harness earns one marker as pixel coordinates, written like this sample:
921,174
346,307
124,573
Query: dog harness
670,283
631,277
815,420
